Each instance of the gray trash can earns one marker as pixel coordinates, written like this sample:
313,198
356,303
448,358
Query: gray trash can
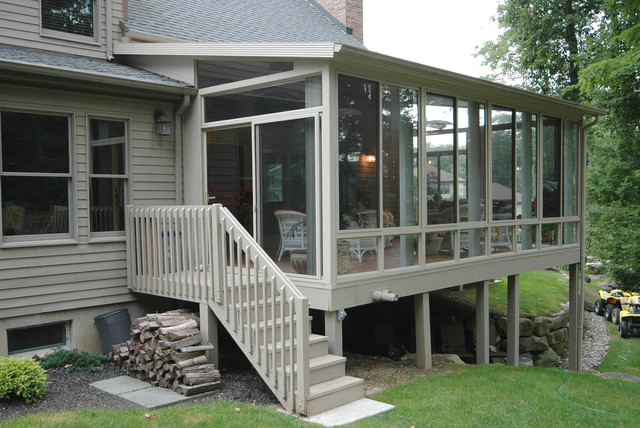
113,328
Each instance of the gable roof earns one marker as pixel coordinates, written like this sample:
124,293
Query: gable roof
234,21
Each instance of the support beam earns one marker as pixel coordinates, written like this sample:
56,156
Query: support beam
209,332
576,305
513,321
333,329
423,331
482,322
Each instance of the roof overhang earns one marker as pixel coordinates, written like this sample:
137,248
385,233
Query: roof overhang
44,76
353,58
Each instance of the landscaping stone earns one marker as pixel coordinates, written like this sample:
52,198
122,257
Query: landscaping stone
558,336
447,359
559,320
562,349
526,327
541,326
533,343
546,358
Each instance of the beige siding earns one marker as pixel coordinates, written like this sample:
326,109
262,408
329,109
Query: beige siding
45,277
20,26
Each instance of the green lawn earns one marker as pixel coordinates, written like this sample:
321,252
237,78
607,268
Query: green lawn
624,355
495,395
541,293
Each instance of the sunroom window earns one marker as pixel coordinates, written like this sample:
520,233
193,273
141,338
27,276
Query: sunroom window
108,175
212,73
75,17
36,177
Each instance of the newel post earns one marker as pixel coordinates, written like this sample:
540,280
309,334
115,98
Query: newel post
302,354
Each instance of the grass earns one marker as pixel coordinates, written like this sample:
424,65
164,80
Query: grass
490,395
541,293
624,355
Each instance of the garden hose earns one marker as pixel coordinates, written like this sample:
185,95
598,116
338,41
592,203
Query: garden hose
564,367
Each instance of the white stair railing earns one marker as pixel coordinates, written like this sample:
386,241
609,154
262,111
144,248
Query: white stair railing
203,254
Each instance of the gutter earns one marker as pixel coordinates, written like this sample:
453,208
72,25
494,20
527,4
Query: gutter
186,101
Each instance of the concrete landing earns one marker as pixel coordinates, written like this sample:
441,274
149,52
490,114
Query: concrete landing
140,392
351,412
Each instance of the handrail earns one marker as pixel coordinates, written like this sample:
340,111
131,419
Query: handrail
203,254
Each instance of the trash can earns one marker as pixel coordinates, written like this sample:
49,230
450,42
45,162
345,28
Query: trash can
113,328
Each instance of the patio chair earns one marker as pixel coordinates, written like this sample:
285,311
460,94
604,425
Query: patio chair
359,246
293,231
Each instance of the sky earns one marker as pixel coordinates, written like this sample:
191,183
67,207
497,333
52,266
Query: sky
439,33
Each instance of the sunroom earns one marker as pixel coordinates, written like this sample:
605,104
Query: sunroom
363,175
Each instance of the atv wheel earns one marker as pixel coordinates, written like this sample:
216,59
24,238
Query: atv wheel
615,316
607,311
600,307
624,329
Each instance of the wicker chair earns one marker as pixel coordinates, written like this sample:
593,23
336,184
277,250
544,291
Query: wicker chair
293,231
367,219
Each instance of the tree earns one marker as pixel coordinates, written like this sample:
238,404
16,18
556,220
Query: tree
587,51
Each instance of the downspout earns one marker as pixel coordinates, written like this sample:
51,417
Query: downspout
186,101
109,30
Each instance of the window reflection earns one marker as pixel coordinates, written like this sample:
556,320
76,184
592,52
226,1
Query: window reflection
502,123
440,170
570,161
400,156
551,136
526,165
471,161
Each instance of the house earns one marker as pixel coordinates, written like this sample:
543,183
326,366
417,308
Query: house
122,120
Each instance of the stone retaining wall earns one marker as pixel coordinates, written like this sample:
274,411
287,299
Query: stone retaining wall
545,340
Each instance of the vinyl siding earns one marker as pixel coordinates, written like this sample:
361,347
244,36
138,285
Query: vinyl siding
20,26
49,276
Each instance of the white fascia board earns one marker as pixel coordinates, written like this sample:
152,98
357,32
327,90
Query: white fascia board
362,55
246,50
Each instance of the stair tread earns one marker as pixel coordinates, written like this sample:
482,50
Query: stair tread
325,360
327,387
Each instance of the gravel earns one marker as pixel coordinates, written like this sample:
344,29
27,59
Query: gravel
72,390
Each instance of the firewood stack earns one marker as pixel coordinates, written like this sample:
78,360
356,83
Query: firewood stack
166,350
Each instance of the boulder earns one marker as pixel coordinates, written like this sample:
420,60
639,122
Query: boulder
558,336
562,349
559,320
546,358
526,327
533,344
443,359
541,326
501,326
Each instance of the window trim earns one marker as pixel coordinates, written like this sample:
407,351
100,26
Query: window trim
72,186
112,235
56,34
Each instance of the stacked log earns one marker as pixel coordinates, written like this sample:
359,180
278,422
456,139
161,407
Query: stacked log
166,350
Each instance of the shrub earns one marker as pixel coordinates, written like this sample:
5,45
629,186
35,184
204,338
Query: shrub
22,378
74,360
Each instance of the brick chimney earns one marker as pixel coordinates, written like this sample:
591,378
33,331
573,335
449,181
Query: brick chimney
348,12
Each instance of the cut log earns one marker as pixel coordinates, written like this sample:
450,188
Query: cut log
198,369
191,324
200,378
198,389
182,343
192,362
180,334
183,356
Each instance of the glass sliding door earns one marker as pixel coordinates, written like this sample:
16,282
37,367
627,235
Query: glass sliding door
286,200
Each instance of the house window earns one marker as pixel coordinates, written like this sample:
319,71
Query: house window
35,179
75,17
471,160
37,337
108,175
502,141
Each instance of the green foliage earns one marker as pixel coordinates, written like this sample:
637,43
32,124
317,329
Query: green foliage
624,354
22,378
74,360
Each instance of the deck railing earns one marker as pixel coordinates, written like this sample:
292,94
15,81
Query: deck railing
203,254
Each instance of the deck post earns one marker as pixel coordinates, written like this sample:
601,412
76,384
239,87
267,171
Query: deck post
423,331
513,321
333,329
576,315
209,332
482,322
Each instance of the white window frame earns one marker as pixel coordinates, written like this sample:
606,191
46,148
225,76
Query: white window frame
55,34
55,238
114,235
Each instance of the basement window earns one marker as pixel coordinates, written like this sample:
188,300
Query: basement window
29,339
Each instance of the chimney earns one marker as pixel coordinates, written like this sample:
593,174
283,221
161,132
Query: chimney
348,12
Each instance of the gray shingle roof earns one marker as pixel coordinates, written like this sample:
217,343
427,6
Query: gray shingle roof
237,21
83,64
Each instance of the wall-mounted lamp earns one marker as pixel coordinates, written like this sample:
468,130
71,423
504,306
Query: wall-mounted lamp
369,158
384,296
164,124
